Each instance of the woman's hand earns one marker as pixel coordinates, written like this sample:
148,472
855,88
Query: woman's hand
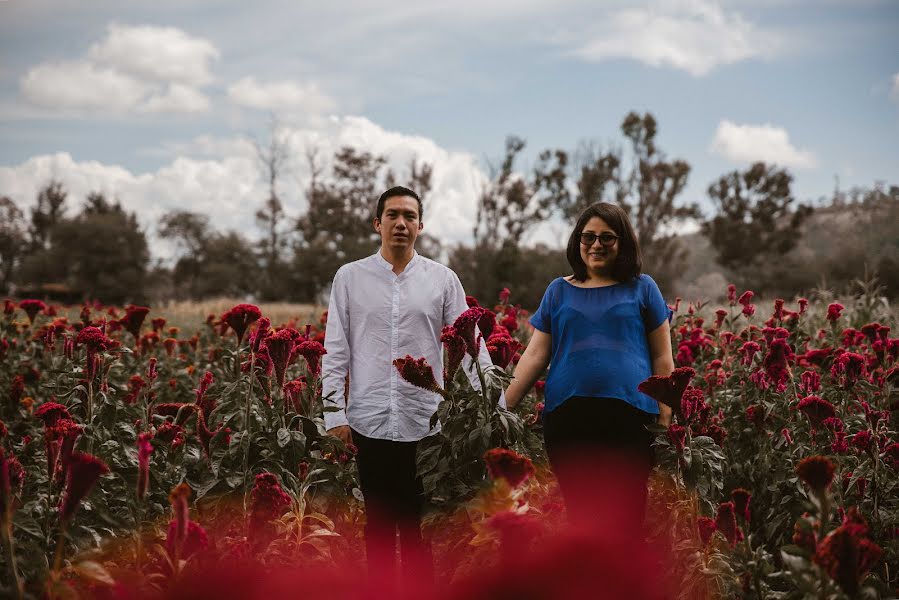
532,363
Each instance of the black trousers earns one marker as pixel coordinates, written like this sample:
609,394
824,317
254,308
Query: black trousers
601,454
394,501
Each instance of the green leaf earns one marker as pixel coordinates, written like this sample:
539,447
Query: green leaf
283,437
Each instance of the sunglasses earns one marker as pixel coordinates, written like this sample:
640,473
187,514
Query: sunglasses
606,239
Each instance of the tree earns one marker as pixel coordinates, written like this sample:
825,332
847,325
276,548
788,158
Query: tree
49,210
755,220
271,217
13,241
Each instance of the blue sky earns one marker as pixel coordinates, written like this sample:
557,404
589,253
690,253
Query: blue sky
157,103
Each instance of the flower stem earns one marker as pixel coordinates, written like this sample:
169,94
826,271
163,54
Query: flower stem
10,551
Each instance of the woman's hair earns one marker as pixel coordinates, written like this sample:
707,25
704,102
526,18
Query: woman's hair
628,263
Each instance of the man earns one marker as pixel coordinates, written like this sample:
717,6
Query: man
383,307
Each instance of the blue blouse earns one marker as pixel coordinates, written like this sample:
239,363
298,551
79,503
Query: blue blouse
600,347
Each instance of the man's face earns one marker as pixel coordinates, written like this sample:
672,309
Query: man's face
399,224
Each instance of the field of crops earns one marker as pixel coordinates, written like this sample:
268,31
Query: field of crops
142,459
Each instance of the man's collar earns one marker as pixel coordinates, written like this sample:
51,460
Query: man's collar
386,264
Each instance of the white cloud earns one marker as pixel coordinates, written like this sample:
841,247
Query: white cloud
692,35
134,69
747,143
177,99
894,90
226,184
81,85
281,96
164,54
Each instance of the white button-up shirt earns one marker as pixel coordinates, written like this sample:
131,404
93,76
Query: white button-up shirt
374,317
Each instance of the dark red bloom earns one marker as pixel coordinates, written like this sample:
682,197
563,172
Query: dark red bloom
862,440
668,390
311,351
707,528
51,412
178,498
677,435
32,307
194,540
693,404
891,455
455,351
816,472
847,555
465,328
487,323
504,296
816,409
756,415
417,372
84,471
508,465
12,475
741,499
502,349
144,450
134,319
240,317
262,331
748,351
269,502
810,381
804,535
848,368
834,310
294,392
280,348
726,523
471,301
731,294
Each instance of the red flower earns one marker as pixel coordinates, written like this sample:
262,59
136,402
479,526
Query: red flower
12,475
240,317
891,455
84,471
756,415
487,323
417,372
471,301
816,472
158,323
726,523
294,390
32,307
747,352
849,368
777,360
134,319
312,351
816,409
262,331
847,555
455,351
668,390
804,535
677,435
504,296
707,528
465,325
817,356
502,349
194,540
741,499
834,310
280,346
810,381
144,450
508,465
178,498
540,387
51,412
269,501
862,440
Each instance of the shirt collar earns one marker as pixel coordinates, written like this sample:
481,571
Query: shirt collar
385,264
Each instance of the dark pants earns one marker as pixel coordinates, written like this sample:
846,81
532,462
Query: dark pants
394,500
601,454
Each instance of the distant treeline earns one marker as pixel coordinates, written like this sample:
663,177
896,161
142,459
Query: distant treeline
759,237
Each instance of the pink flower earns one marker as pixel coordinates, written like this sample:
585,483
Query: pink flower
508,465
269,502
810,381
803,305
144,450
294,392
51,412
732,294
84,471
502,349
849,368
504,296
777,360
779,309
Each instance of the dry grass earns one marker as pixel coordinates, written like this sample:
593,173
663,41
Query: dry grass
192,314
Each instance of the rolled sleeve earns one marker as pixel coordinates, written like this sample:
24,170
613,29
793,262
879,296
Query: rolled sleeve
335,364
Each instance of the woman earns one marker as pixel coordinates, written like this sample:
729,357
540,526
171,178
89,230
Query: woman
604,329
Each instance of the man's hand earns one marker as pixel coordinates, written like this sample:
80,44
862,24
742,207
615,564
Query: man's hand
342,433
664,415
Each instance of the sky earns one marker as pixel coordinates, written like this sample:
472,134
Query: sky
158,104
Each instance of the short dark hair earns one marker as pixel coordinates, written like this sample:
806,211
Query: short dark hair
629,263
393,192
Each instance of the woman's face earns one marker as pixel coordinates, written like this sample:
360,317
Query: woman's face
599,258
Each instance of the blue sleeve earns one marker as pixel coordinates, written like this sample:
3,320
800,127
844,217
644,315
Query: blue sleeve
542,319
655,309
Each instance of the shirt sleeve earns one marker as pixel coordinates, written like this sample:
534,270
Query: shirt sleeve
453,306
542,319
335,364
655,309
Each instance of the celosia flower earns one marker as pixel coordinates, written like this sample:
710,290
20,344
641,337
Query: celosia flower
741,499
144,450
849,368
240,317
804,535
178,498
677,435
816,472
279,347
294,392
203,387
504,296
311,351
732,294
487,323
194,540
508,465
471,301
51,412
465,328
510,320
862,440
455,351
417,372
32,307
707,528
846,554
12,475
748,351
84,471
817,356
726,523
668,390
65,432
134,319
810,381
816,409
834,310
693,404
756,415
262,331
777,360
540,387
269,501
502,349
158,323
891,455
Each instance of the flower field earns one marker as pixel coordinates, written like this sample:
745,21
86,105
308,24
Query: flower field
143,460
